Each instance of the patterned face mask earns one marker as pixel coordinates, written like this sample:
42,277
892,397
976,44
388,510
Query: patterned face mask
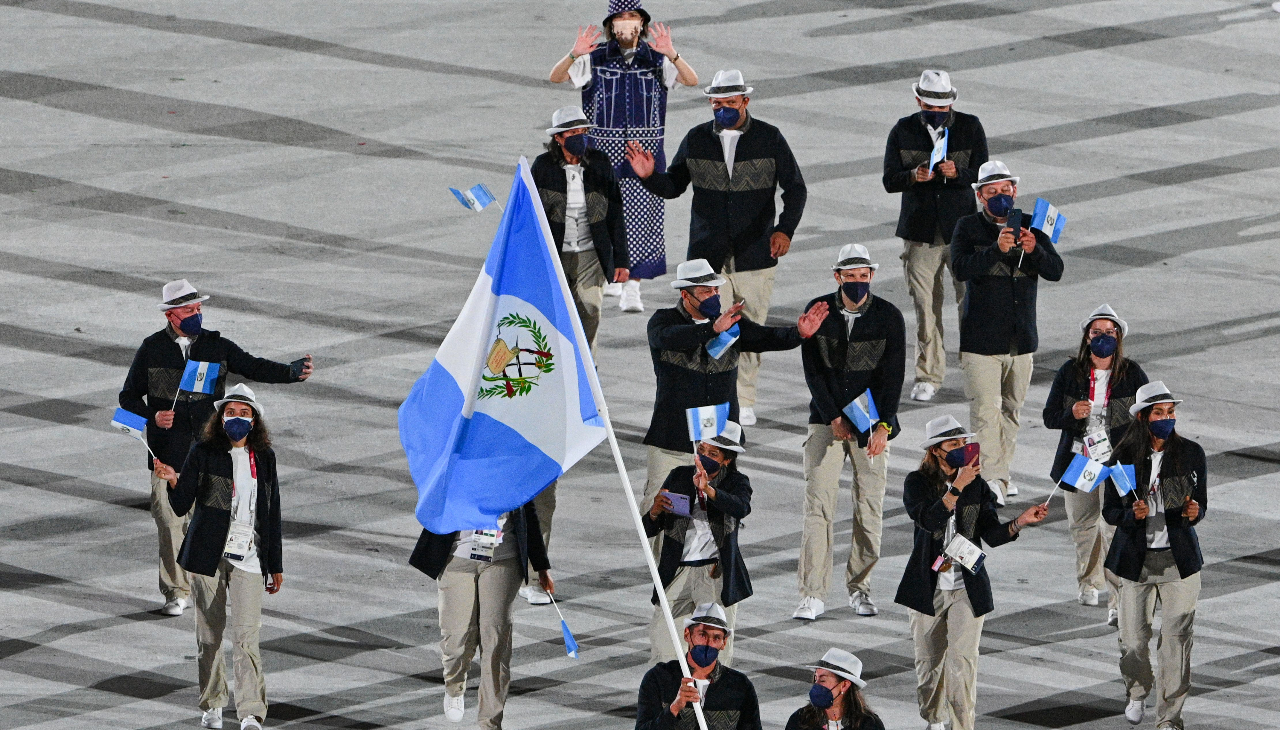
627,30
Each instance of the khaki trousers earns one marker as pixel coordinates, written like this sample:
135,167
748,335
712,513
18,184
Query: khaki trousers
1178,596
174,582
661,462
824,458
586,281
1092,537
755,289
946,645
690,587
230,599
922,267
996,386
475,612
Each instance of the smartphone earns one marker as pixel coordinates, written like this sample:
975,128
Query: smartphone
679,504
1014,221
971,452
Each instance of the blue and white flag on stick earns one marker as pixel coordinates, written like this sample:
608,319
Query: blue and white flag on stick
1084,473
477,197
570,644
131,424
506,407
1048,220
199,377
939,153
706,422
722,341
863,417
1122,476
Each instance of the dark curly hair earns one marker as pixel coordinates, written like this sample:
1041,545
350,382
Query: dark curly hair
214,435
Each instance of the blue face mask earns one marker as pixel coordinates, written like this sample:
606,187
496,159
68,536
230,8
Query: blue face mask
236,428
855,290
1162,429
821,697
955,458
1000,205
709,465
1103,345
710,307
191,325
703,655
935,119
575,145
727,116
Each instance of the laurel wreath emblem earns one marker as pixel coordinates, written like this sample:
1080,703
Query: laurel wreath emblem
502,357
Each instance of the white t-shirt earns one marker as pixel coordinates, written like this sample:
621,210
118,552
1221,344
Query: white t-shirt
577,232
729,144
244,506
185,344
950,580
699,543
580,72
507,548
1157,529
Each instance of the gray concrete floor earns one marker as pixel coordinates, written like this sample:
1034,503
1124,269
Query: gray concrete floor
292,159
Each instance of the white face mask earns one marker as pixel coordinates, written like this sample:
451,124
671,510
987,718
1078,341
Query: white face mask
627,30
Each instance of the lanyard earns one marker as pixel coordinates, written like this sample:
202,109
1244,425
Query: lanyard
1093,382
253,472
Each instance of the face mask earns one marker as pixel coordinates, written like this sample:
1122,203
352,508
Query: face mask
935,119
710,307
625,30
703,655
727,116
191,325
999,205
236,428
1162,429
1103,345
821,697
709,465
575,145
961,456
855,290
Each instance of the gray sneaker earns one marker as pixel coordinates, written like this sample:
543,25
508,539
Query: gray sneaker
862,604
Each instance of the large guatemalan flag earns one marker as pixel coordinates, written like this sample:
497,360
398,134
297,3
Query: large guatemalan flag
506,407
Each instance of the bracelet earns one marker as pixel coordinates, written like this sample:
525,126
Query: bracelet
572,57
1016,527
677,58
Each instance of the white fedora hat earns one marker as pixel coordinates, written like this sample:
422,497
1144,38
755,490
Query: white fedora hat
993,171
711,615
696,273
730,438
934,88
727,83
843,664
239,393
1106,312
854,256
179,293
943,428
566,118
1151,394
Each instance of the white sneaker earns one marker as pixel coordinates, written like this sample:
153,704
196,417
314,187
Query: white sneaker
1089,597
1012,490
923,392
174,607
937,726
810,608
746,416
454,707
1134,711
995,487
251,723
212,718
862,605
535,595
1113,617
613,289
629,301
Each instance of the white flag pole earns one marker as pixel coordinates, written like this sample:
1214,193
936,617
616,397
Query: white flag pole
1055,491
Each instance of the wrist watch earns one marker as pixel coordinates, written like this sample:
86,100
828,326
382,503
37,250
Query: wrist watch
953,491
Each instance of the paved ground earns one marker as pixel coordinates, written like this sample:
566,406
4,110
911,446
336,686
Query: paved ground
292,159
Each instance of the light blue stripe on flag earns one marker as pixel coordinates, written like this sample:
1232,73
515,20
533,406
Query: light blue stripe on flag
477,197
863,417
722,341
706,422
129,422
199,377
939,153
570,646
1048,220
1084,473
1122,476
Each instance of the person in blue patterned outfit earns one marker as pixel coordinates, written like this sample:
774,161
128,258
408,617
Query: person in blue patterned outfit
624,84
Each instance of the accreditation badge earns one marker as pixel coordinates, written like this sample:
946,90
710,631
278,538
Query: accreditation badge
239,540
961,550
484,543
1097,445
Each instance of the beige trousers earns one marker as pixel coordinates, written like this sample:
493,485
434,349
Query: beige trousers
755,289
174,582
1178,596
475,612
586,281
824,458
922,267
1092,537
946,645
661,462
996,386
230,599
690,587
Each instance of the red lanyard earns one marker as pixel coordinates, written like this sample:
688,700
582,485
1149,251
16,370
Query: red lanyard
253,472
1093,385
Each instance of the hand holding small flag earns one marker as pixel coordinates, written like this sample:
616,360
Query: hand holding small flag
1190,508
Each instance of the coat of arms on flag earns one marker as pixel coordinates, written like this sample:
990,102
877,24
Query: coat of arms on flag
506,364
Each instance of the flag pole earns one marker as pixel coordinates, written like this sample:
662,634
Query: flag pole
1055,491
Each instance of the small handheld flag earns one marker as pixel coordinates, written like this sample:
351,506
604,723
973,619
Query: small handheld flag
131,424
570,644
722,341
477,197
1122,476
1048,220
863,418
199,377
939,153
1084,473
707,421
